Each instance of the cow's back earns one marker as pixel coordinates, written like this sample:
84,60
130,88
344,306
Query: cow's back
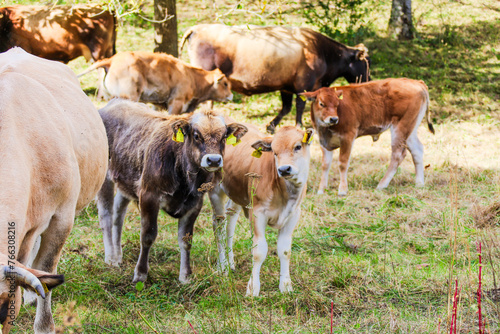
63,105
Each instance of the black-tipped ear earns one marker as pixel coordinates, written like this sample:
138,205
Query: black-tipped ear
308,136
263,145
236,129
310,96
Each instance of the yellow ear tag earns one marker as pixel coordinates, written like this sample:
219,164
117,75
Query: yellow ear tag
257,153
232,140
304,140
45,288
178,137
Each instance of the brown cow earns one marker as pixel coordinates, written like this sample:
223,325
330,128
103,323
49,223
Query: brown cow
266,59
274,184
59,33
159,172
54,157
162,79
341,114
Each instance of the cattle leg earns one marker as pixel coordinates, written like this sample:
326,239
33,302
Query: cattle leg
29,297
325,166
233,212
286,99
47,258
217,197
344,157
397,156
120,210
285,252
300,105
149,231
417,152
185,239
259,253
105,211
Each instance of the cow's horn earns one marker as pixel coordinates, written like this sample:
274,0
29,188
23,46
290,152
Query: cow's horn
23,276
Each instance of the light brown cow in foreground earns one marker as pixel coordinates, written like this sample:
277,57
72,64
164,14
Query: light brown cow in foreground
341,114
163,80
274,184
54,157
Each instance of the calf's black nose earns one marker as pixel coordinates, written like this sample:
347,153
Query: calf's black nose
284,170
333,120
214,161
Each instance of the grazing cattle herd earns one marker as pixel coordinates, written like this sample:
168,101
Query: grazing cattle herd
51,131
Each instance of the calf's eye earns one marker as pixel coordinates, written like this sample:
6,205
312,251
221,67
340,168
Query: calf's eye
297,148
321,104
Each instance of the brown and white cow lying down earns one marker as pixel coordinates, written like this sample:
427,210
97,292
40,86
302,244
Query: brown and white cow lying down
162,79
59,32
54,157
283,169
341,114
266,59
150,168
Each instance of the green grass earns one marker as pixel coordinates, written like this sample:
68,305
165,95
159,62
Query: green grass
387,260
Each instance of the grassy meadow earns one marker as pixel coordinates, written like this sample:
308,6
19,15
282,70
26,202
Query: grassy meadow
370,262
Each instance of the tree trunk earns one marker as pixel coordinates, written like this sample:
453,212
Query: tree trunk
166,31
400,24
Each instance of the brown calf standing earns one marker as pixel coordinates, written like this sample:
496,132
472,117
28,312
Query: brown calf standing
162,79
158,172
341,114
275,195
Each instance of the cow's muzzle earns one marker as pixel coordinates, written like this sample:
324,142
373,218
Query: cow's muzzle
212,162
331,120
286,171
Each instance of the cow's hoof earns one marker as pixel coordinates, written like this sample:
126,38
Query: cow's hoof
342,193
184,279
320,192
139,277
271,128
286,287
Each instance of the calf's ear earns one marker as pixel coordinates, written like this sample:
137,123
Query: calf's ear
263,145
310,96
237,130
182,125
308,136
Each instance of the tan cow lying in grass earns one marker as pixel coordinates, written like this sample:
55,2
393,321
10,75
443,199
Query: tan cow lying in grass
341,114
163,80
54,156
274,184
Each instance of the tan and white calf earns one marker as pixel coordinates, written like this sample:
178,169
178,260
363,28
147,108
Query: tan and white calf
274,185
341,114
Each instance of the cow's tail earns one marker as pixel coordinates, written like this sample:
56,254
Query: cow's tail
187,34
106,63
427,109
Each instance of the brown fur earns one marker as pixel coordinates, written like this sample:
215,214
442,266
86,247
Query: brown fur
265,59
59,32
369,109
162,79
54,159
150,168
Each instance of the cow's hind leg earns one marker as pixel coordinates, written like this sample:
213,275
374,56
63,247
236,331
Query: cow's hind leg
185,239
398,154
417,152
286,99
120,210
105,199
